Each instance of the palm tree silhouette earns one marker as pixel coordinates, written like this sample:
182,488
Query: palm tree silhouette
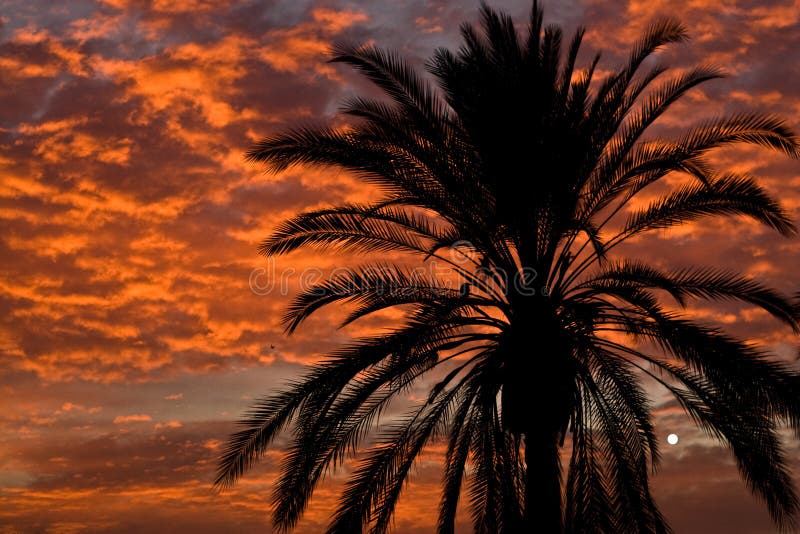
516,171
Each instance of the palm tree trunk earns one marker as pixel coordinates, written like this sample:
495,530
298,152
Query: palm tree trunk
537,398
543,502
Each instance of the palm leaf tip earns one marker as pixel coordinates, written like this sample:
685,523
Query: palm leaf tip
238,455
665,30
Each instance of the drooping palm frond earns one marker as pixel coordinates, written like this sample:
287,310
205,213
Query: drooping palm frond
518,356
707,283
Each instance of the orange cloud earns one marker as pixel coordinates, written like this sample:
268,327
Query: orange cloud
308,44
168,424
138,418
333,21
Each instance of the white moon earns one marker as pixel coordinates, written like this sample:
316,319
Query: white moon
672,439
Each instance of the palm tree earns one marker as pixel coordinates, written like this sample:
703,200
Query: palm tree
516,170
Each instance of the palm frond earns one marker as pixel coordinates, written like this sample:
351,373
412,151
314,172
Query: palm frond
707,283
729,195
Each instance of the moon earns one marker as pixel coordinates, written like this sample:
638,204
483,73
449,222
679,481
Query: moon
672,439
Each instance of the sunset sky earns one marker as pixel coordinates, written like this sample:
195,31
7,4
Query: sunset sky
130,339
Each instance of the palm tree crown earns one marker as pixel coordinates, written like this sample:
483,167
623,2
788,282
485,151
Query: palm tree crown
516,170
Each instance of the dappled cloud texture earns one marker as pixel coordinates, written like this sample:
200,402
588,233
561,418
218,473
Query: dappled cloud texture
129,336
